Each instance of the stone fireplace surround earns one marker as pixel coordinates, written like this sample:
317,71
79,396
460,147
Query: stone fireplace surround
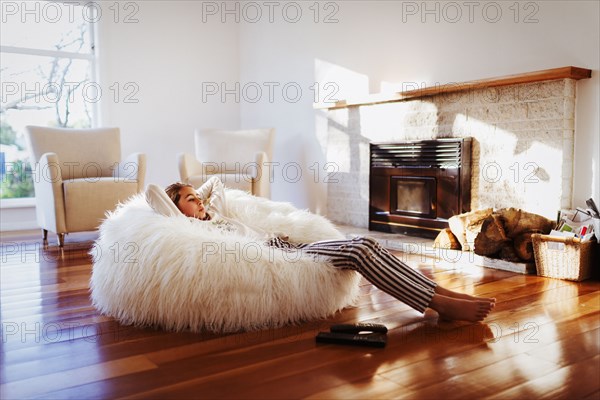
522,127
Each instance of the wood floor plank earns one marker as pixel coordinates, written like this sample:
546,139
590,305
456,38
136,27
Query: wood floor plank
574,381
571,350
97,372
594,395
489,380
81,338
373,388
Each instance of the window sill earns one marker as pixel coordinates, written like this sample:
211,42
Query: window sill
17,203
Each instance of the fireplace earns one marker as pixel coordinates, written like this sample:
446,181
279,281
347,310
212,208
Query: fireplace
415,186
522,128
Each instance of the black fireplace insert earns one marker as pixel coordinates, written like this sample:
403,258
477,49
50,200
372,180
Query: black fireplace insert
416,186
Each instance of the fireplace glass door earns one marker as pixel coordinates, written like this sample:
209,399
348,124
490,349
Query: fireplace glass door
413,196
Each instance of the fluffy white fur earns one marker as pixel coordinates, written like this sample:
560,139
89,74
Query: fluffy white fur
175,273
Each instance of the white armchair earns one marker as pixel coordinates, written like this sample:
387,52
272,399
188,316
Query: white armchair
240,158
79,176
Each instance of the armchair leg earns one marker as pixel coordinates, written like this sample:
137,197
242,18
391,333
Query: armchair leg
61,240
45,235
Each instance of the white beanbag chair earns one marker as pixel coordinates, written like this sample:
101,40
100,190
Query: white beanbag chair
179,274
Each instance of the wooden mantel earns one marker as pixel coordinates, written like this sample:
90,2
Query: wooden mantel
528,77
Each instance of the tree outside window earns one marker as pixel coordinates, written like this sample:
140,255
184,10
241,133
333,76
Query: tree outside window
46,73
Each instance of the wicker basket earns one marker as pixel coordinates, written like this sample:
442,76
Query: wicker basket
562,257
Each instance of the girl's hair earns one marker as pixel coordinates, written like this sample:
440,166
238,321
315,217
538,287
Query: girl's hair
173,190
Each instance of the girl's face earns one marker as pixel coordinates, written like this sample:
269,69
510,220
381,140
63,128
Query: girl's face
190,204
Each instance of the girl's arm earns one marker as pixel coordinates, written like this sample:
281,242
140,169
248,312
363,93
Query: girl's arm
212,192
160,202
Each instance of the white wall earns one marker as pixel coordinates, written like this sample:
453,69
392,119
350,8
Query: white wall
383,45
169,54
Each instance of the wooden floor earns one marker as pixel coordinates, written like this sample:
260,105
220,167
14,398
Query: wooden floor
542,341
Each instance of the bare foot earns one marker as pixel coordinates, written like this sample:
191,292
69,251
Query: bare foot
461,309
464,296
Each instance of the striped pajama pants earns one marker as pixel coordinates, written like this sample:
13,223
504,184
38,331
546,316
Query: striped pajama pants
366,256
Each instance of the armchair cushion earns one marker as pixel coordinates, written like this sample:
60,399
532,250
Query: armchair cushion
87,201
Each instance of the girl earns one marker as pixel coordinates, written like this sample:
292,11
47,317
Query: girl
362,254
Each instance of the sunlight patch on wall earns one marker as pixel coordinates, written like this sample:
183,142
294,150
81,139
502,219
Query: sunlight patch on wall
542,179
513,170
394,122
334,82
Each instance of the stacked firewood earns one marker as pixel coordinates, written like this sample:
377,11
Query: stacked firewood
504,233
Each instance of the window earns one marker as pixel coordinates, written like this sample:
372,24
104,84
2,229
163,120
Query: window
46,72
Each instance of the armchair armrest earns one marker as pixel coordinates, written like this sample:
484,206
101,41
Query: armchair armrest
264,175
48,184
132,169
188,166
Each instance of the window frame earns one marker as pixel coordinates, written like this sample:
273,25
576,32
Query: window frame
24,202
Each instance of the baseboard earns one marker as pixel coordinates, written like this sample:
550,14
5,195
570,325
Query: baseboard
10,236
17,216
19,226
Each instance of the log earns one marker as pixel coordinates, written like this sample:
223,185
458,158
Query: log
491,238
517,221
510,227
505,233
465,227
446,240
471,233
508,252
523,246
510,219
